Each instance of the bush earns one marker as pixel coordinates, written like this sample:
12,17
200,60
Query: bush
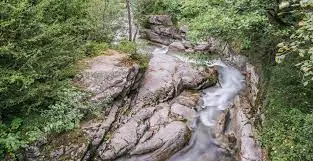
130,48
40,43
94,48
287,131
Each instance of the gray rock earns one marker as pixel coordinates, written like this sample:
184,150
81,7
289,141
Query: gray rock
189,50
165,20
167,76
165,31
187,44
107,77
183,111
177,45
163,144
250,148
203,46
154,37
252,83
143,126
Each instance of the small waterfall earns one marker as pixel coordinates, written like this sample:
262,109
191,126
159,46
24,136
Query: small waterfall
203,146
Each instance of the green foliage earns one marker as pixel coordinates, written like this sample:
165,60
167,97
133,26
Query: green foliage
93,48
301,43
131,49
64,115
288,128
40,43
104,17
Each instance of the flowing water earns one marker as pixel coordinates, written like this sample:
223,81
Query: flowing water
203,146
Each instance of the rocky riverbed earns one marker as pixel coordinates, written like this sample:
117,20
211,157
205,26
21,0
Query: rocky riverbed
159,113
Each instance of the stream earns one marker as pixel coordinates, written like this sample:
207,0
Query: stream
203,146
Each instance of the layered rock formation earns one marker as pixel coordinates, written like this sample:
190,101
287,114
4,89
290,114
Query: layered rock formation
148,119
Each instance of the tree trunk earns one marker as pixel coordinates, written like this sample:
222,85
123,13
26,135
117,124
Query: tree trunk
129,20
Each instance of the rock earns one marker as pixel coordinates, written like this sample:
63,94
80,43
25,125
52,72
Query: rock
250,148
165,20
177,46
167,76
184,111
147,124
96,130
162,30
170,31
67,146
107,77
163,144
189,50
151,133
184,29
203,46
252,83
154,37
187,44
161,116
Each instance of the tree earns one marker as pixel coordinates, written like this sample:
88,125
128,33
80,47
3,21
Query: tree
128,5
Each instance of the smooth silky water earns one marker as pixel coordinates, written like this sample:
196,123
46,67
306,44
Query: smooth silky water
203,146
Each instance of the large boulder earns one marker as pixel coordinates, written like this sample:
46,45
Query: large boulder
167,76
155,37
161,30
107,76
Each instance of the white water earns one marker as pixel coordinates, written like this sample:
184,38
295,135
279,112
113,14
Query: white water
203,146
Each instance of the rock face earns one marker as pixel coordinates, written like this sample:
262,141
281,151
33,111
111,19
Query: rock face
148,123
162,30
